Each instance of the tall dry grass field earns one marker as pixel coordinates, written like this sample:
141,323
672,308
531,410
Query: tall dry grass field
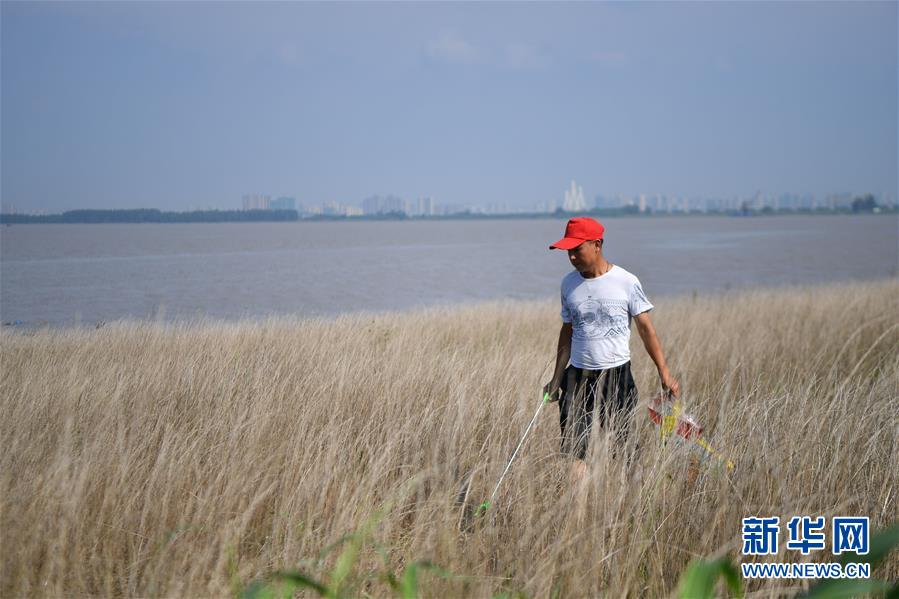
144,459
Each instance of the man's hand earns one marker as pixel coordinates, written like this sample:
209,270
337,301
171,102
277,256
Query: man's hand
553,389
654,349
669,383
563,353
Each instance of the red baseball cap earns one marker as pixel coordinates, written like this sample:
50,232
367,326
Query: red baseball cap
578,231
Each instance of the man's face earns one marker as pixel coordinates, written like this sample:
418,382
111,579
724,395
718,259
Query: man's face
585,255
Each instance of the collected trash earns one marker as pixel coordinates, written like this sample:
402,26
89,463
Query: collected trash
681,428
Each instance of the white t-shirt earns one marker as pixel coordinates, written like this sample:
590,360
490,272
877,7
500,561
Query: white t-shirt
600,311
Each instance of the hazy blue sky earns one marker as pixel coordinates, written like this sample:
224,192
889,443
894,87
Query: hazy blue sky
178,105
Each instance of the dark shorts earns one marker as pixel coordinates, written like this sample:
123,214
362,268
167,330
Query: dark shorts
609,395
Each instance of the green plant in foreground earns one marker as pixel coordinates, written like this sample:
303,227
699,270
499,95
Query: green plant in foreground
697,582
286,583
340,581
701,575
699,579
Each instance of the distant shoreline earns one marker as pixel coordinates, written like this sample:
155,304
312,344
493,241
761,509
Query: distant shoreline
153,216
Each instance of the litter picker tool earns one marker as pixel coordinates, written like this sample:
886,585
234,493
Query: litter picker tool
486,505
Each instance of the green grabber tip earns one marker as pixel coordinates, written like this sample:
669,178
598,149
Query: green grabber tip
482,509
546,397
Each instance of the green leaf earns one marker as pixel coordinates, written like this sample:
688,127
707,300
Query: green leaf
410,582
345,562
332,546
699,579
392,581
283,584
258,589
893,593
347,558
880,545
410,577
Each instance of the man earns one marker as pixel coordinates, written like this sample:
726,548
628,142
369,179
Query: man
599,299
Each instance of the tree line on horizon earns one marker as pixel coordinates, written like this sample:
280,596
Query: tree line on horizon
152,215
861,204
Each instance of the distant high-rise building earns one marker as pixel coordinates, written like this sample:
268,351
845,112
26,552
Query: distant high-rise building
371,205
394,204
424,206
331,209
256,202
383,205
283,203
448,209
574,199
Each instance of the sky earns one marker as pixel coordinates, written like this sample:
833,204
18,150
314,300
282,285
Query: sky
181,105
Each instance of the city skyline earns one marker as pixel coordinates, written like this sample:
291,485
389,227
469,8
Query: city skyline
180,105
573,202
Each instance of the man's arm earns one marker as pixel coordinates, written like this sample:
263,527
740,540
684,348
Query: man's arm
563,354
654,349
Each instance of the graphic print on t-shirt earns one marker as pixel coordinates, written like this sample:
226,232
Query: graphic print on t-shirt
594,318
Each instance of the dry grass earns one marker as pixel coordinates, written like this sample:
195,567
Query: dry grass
144,459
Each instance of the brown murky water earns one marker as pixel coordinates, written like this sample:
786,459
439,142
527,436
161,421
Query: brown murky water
63,274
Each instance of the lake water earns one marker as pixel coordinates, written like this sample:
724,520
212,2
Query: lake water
66,274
